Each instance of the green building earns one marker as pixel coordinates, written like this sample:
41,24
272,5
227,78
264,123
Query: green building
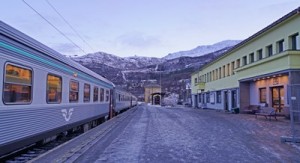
258,71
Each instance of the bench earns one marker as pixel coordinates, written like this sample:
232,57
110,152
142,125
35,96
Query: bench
251,109
266,112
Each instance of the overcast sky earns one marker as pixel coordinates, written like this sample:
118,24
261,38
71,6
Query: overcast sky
142,27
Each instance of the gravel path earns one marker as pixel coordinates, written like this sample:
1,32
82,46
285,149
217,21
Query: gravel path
157,134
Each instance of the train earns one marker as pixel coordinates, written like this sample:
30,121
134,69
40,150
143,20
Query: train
45,93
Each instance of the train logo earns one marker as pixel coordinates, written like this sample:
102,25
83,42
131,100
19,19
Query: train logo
67,114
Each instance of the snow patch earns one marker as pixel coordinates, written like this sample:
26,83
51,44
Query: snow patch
201,50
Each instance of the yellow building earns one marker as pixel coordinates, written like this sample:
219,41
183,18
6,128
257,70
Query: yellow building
258,71
153,94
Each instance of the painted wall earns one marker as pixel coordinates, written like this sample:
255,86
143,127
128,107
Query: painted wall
149,91
194,87
283,61
268,84
279,61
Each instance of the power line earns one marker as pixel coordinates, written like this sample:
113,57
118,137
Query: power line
69,25
54,27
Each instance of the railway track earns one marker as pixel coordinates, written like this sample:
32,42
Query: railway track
30,152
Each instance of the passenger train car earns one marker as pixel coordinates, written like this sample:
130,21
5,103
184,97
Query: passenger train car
44,93
123,100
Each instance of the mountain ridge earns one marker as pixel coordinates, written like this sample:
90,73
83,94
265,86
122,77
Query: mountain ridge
133,73
202,49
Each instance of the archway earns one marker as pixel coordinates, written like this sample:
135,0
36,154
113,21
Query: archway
156,100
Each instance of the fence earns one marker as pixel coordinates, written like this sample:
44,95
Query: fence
294,102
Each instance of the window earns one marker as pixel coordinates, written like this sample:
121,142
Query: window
232,68
262,95
199,98
280,46
228,69
17,85
207,77
224,71
294,42
101,94
96,94
219,99
86,92
207,97
244,60
251,56
107,95
74,91
259,54
196,81
269,50
220,72
54,89
238,63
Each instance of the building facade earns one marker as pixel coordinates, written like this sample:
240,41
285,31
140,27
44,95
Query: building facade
153,94
257,71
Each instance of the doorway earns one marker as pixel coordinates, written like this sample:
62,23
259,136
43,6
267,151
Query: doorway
233,98
226,100
157,100
196,101
278,98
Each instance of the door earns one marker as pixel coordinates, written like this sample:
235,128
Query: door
196,101
226,100
157,100
278,98
112,103
233,99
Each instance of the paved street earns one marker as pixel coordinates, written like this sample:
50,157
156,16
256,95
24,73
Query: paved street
156,134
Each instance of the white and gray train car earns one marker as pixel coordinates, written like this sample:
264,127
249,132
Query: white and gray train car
124,100
44,93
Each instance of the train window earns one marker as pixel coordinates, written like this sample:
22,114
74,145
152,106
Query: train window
87,93
17,85
107,95
96,94
101,94
54,89
74,91
119,97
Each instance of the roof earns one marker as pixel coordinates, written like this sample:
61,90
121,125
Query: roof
261,32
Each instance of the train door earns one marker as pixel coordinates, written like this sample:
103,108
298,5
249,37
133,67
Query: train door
112,103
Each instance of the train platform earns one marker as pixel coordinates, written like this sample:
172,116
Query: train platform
157,134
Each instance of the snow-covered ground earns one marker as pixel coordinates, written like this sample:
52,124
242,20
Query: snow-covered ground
157,134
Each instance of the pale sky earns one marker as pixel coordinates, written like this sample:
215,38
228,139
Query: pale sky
151,28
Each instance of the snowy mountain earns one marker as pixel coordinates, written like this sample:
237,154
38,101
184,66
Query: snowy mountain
117,62
201,50
132,73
